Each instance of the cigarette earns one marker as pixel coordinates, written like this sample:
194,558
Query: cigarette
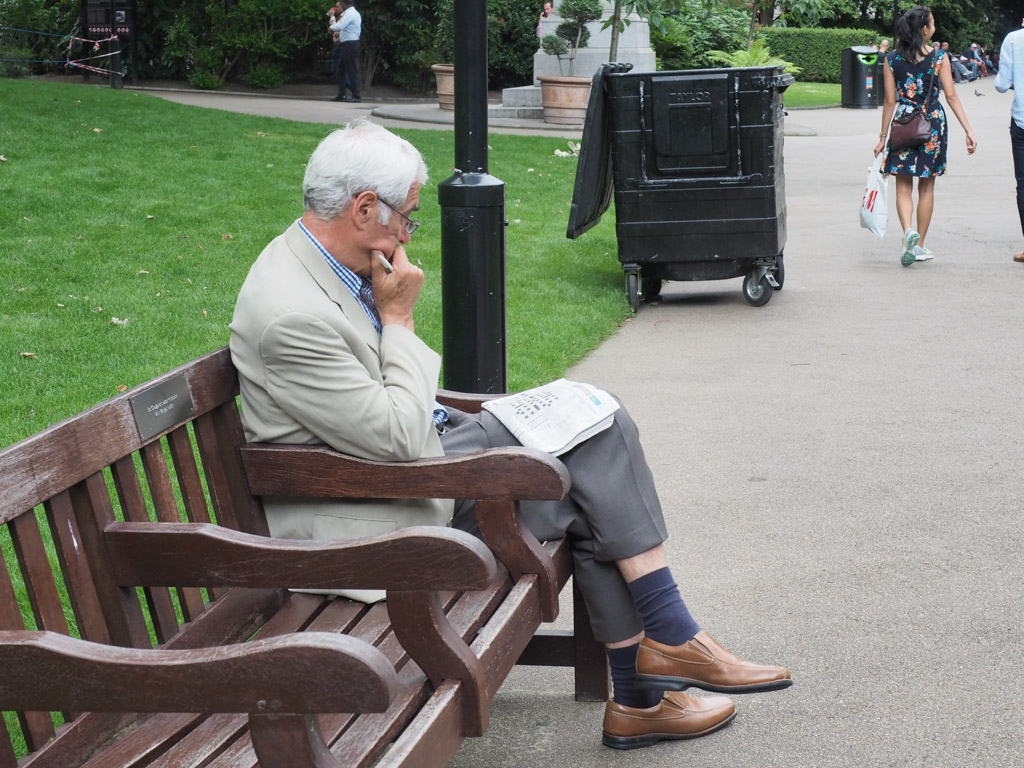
388,266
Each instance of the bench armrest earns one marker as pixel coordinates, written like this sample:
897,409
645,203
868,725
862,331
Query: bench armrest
280,682
291,674
495,478
468,402
318,471
204,555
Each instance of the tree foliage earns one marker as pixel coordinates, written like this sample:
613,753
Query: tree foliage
757,55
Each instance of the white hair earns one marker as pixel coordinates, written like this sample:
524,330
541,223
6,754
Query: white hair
359,157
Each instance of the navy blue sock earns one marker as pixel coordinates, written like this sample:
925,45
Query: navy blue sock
662,610
624,691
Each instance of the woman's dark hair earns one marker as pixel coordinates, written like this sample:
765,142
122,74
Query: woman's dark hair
909,37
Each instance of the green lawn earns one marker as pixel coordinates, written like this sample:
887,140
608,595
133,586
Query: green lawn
118,204
813,95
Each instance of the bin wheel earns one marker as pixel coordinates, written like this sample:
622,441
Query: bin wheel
650,287
780,272
757,292
633,290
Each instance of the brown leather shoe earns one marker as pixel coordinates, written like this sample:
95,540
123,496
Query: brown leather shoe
678,716
703,663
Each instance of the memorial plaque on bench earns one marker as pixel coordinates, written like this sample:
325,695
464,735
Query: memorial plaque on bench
161,407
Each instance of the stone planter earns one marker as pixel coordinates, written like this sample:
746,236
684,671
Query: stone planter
445,75
565,99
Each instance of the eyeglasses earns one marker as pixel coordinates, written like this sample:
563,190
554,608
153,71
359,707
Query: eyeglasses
410,225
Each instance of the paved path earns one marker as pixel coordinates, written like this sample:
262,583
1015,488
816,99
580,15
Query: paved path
841,469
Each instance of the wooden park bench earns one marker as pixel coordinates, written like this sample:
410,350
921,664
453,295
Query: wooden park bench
146,618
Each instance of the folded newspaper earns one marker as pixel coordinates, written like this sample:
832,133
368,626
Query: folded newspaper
557,416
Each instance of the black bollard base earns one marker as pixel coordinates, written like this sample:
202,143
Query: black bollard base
473,283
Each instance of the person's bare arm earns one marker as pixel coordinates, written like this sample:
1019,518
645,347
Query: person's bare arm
953,99
887,106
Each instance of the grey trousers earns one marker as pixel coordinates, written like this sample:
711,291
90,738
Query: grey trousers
611,512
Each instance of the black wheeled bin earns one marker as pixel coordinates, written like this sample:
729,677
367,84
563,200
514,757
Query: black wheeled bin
862,86
695,161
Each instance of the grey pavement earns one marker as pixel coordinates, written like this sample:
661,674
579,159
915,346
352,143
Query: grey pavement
841,473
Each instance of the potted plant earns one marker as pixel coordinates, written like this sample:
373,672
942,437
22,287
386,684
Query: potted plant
444,45
565,96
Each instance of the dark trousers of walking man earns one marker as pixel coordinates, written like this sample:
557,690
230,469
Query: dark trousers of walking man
349,67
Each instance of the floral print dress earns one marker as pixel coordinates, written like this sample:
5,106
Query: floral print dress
911,80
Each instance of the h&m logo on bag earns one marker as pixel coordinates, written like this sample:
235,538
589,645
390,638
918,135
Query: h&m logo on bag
870,197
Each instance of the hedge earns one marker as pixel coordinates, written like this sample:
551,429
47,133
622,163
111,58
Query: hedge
818,52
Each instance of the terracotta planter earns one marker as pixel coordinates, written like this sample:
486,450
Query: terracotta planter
564,98
445,75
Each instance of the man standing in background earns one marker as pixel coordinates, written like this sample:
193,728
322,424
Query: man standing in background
348,28
335,41
1011,74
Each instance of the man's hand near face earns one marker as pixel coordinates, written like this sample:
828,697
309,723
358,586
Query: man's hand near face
396,293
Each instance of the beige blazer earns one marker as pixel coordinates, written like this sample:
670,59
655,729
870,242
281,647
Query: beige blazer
313,370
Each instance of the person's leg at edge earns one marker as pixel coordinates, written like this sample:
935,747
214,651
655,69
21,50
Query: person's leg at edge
905,211
1017,146
610,550
905,200
925,206
675,653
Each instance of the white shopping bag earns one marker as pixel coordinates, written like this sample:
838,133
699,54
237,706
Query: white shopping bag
874,207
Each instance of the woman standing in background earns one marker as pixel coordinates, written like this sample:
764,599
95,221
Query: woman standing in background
914,75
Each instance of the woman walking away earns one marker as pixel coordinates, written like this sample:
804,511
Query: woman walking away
914,76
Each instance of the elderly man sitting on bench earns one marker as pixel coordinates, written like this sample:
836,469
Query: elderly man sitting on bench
324,343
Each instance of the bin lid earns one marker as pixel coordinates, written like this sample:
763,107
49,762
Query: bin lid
592,193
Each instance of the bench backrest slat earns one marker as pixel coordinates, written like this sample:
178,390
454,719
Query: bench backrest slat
158,479
187,472
7,758
77,575
36,727
93,513
133,508
220,438
35,568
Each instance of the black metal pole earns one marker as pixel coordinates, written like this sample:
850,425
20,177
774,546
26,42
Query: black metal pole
472,227
116,81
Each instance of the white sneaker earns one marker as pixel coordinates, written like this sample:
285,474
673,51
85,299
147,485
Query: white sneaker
910,240
922,253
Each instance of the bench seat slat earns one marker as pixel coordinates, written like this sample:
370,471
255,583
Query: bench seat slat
367,739
212,737
432,737
220,732
368,736
142,745
79,741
